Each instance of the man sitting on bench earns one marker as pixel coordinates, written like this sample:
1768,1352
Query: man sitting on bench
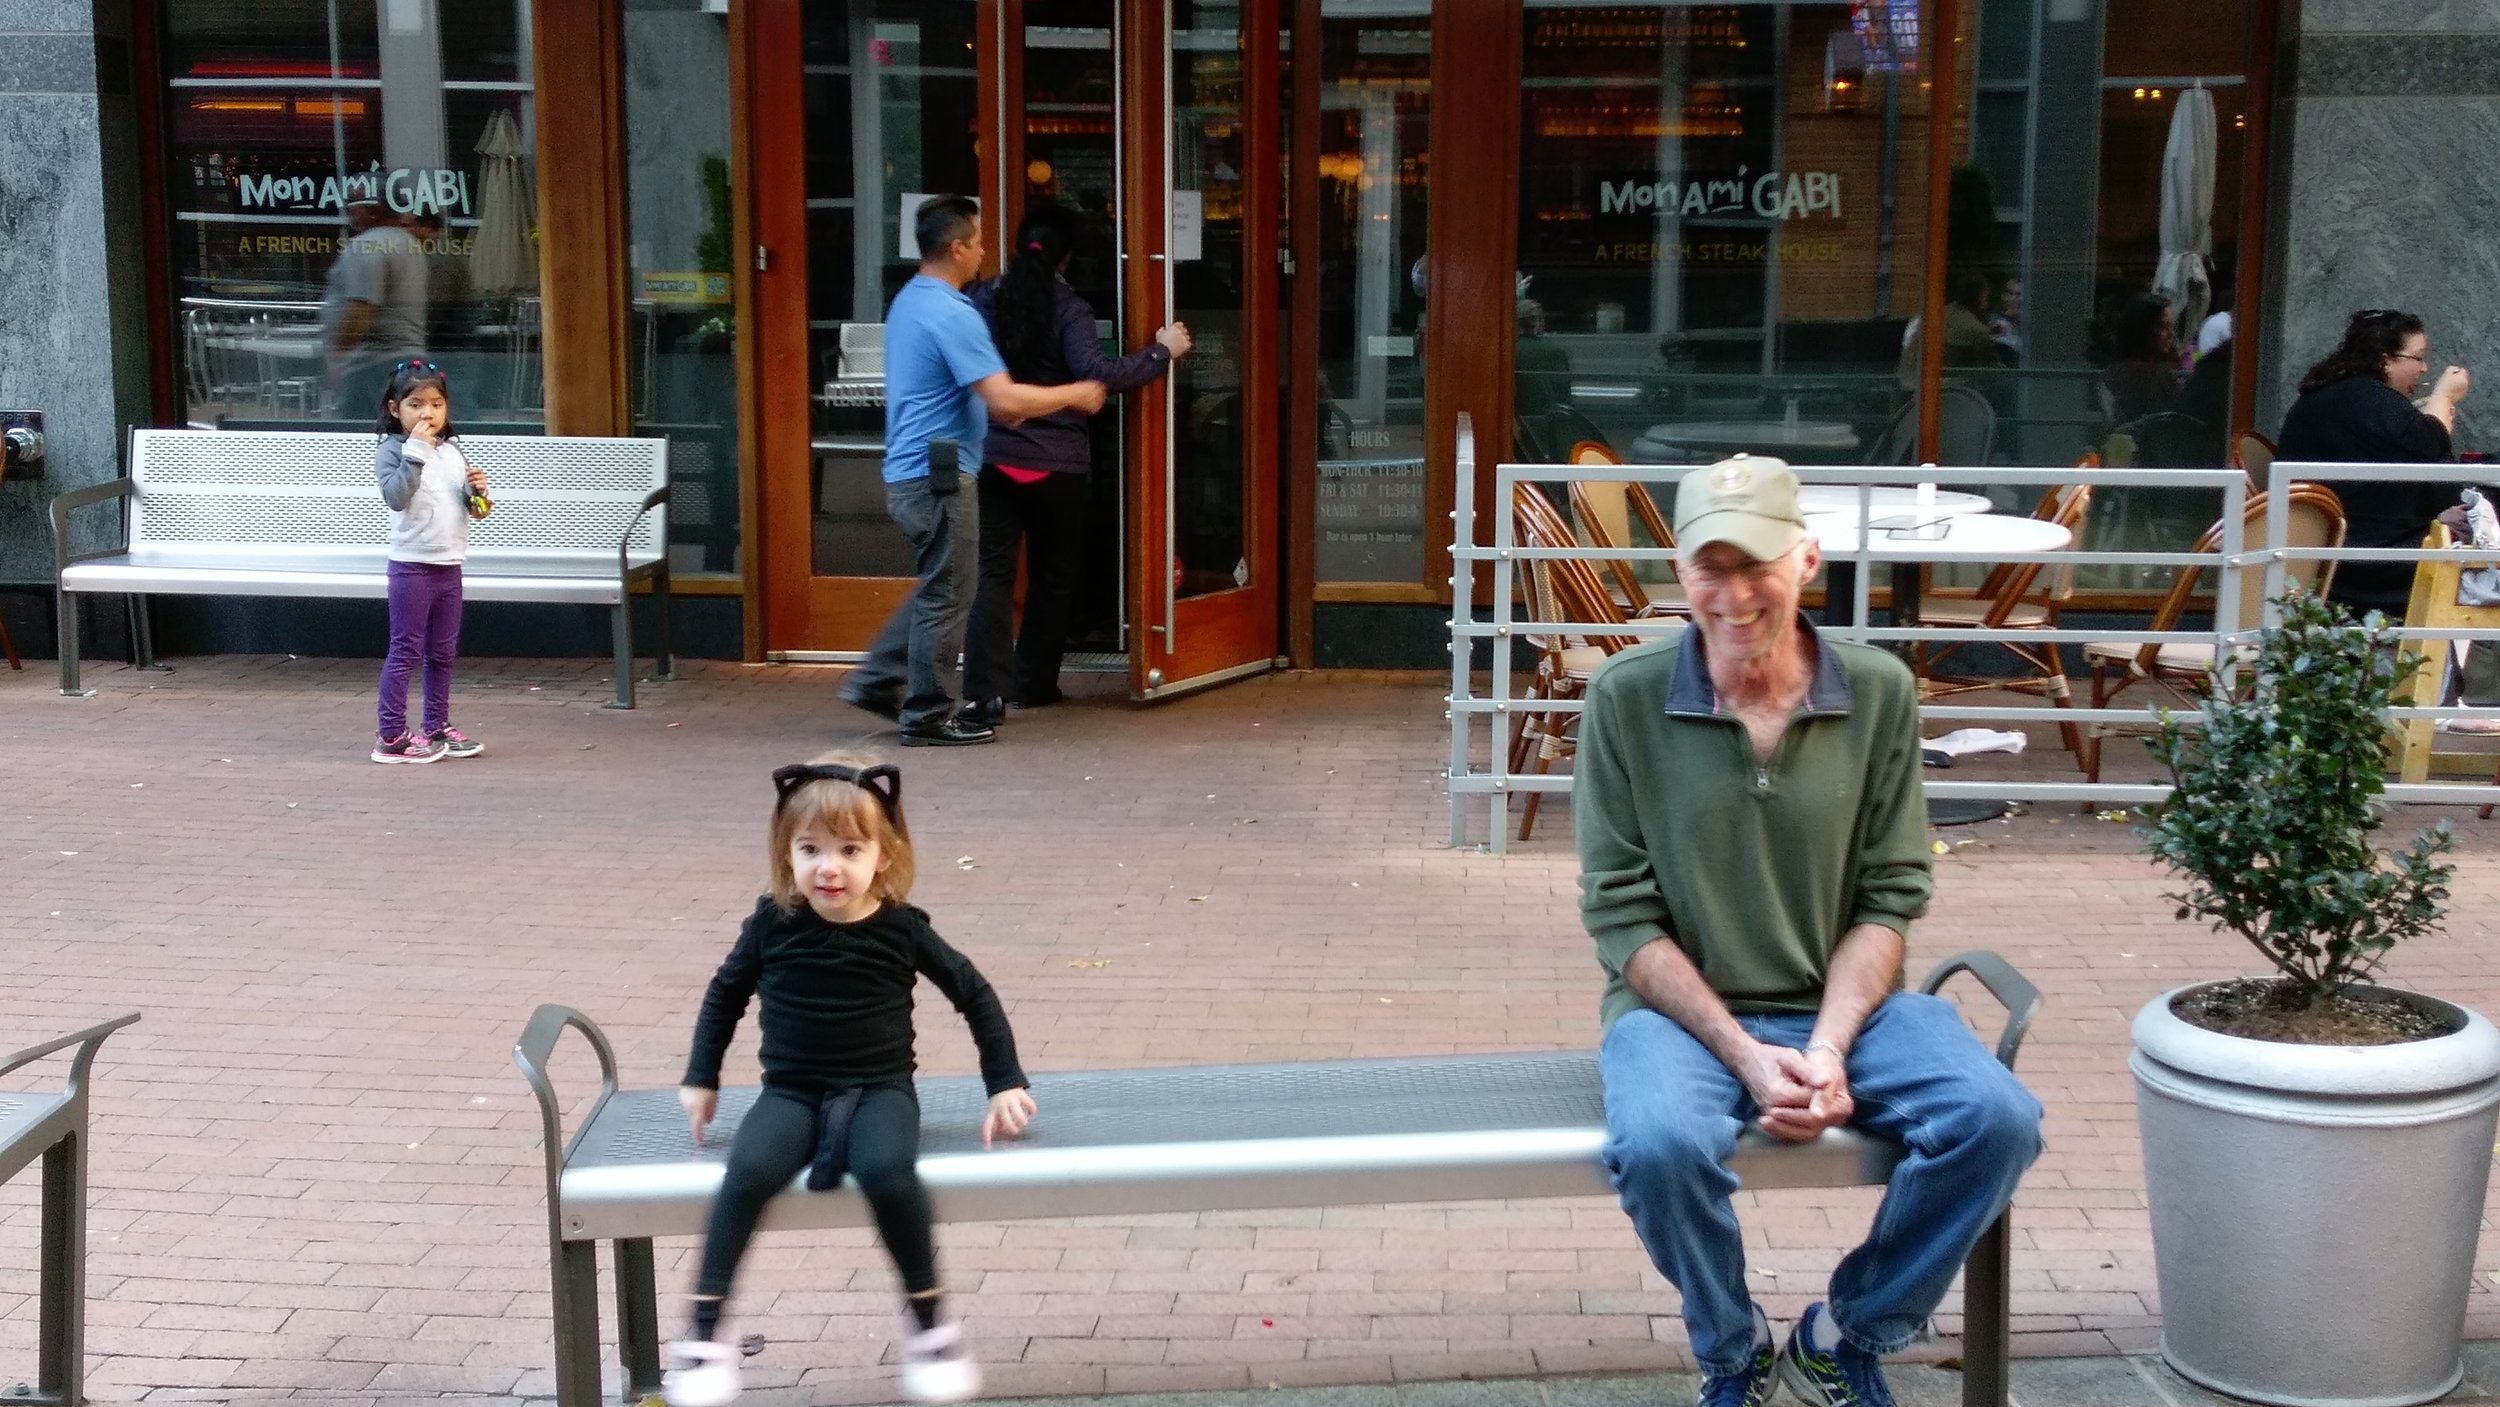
1753,849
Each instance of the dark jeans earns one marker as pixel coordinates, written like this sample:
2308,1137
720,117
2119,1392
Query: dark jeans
1047,521
913,657
425,627
778,1138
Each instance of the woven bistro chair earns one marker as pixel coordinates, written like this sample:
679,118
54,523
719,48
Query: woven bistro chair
2013,597
2187,668
1604,510
1562,590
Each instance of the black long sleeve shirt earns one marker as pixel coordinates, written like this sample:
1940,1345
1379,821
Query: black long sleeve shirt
1058,443
838,1000
2363,420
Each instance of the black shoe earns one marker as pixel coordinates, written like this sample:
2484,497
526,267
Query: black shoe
954,732
989,713
1038,698
886,708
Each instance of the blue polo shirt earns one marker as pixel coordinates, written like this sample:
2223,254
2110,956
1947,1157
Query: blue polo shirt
936,346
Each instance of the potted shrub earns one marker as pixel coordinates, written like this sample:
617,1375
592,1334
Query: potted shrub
2316,1146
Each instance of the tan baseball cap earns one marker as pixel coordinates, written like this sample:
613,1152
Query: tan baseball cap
1748,502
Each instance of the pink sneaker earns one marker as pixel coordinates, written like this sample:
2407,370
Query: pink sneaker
458,744
409,747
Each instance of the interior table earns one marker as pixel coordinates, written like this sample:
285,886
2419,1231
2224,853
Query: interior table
1886,499
1800,441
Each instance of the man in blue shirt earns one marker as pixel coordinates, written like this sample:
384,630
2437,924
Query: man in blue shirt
943,381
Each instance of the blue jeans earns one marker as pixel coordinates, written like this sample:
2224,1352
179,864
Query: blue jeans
914,658
1919,1077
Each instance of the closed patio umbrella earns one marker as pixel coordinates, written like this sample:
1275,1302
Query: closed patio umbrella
503,261
2187,210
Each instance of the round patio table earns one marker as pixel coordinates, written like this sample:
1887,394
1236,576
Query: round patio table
1886,499
1955,537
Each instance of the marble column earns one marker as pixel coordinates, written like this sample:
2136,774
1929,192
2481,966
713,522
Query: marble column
2385,190
73,323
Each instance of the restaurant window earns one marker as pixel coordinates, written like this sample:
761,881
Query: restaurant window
351,187
2095,230
681,319
1374,163
1721,231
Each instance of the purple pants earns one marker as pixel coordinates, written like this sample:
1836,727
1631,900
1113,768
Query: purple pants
425,625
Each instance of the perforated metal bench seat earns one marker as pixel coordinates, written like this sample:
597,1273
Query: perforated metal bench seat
273,513
1177,1139
569,577
1188,1139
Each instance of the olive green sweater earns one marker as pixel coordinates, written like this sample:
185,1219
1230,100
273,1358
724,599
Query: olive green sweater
1755,871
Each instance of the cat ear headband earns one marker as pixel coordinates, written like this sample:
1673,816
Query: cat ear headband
883,781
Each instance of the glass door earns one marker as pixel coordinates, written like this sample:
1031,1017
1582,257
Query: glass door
1202,243
884,100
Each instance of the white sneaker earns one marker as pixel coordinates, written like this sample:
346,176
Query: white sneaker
937,1367
707,1375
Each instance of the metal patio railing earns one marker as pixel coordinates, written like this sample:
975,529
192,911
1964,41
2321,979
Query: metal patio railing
1479,765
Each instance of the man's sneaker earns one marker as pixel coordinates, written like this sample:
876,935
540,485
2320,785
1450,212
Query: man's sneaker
1752,1387
937,1367
706,1375
458,744
409,747
1848,1376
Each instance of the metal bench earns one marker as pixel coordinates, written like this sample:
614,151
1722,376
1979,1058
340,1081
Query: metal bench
254,513
1184,1139
53,1127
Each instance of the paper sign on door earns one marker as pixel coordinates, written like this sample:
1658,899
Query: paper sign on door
1189,225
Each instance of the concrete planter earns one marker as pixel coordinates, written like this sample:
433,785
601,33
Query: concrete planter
2315,1207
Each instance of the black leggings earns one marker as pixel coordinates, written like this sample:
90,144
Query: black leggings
778,1138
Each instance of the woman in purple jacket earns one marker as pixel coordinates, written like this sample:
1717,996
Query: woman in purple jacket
1033,489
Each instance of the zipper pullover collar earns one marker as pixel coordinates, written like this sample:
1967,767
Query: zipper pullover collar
1690,694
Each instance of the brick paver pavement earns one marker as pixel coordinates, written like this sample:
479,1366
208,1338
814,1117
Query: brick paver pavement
316,1171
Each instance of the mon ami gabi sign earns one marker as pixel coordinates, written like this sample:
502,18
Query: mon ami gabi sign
1773,195
409,190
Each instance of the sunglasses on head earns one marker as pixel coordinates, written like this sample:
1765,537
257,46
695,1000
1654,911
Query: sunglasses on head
883,781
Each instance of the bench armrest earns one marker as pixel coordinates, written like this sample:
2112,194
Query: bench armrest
538,1041
88,1042
2020,998
65,504
624,544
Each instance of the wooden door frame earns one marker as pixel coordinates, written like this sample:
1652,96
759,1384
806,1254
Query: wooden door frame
786,599
1472,230
1145,139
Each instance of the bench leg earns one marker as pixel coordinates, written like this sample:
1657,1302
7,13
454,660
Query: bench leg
667,663
623,626
576,1275
1987,1316
637,1319
61,1360
143,638
67,609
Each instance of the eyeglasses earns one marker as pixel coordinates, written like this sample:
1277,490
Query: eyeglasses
868,779
2421,357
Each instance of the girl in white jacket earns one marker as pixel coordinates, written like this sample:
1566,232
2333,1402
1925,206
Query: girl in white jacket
433,491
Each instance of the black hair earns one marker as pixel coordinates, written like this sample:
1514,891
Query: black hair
2139,328
2370,338
406,377
1970,288
944,219
1022,311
